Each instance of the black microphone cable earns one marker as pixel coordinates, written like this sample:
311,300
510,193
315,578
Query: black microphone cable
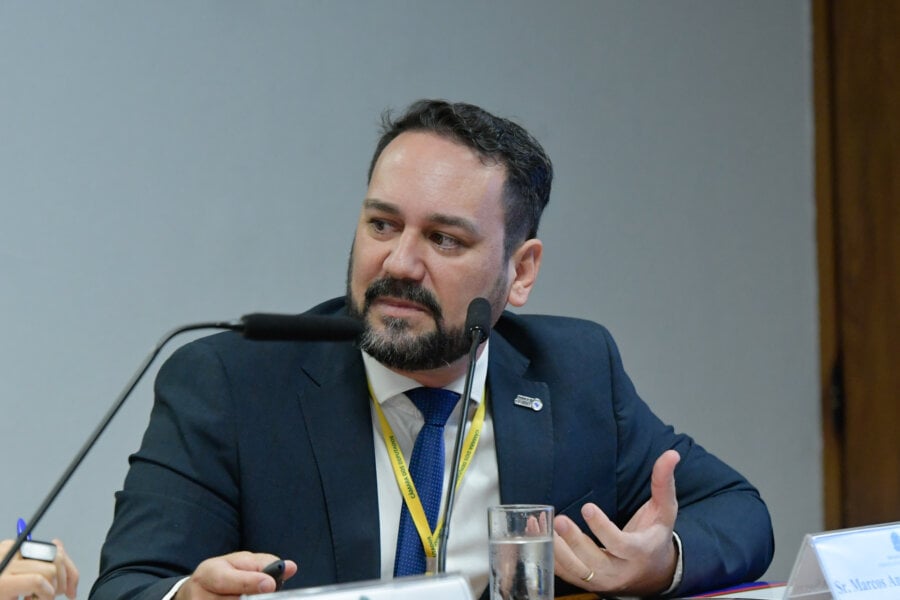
256,326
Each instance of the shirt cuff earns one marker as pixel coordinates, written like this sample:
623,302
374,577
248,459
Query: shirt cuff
175,589
679,566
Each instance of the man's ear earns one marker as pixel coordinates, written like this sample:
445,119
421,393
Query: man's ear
524,264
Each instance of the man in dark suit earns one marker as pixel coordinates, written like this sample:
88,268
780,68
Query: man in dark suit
257,450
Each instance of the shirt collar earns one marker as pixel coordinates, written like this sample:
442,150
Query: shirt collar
386,384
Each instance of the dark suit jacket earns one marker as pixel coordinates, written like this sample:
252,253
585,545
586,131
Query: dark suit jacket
268,446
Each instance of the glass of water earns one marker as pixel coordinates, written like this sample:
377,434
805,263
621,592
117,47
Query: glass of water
521,560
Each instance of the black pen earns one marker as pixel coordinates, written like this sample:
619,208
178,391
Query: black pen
275,570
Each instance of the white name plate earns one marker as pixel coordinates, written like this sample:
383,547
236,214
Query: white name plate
452,586
849,564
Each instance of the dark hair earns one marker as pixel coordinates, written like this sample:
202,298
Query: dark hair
529,172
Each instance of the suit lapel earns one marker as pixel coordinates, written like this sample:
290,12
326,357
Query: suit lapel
524,436
337,415
336,411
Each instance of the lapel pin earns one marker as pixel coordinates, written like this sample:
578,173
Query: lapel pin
534,404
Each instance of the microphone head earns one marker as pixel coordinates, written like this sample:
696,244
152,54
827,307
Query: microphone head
275,327
478,318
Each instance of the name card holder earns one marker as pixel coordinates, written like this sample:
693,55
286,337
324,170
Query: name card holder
862,563
449,586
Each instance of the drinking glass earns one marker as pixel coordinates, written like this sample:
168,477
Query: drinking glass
521,556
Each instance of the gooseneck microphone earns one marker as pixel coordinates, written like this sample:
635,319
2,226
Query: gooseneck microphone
268,326
255,326
478,327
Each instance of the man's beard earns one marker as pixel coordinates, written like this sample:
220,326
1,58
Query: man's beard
396,346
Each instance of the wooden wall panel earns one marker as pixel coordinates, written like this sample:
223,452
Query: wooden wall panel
863,116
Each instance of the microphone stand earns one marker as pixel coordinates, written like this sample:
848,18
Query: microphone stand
79,457
477,337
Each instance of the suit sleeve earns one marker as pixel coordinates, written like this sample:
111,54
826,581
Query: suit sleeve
724,525
179,502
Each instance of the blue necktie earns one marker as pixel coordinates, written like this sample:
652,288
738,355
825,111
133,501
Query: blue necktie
426,467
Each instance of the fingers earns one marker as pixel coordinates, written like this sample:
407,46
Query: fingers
580,561
13,585
38,578
38,568
536,525
606,531
67,573
662,485
567,563
59,564
637,558
290,569
232,575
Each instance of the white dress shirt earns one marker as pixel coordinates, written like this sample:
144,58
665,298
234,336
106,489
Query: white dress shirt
467,545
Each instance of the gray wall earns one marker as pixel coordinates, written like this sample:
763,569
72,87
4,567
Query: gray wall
168,162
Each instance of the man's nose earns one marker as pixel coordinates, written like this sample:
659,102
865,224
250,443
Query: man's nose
405,260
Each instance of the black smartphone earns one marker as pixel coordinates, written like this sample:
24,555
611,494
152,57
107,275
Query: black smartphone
36,550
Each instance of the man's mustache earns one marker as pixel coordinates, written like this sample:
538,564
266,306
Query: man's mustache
403,289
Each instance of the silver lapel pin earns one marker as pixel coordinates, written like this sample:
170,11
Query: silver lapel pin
534,404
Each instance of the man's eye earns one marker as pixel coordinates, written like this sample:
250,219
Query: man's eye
445,242
380,225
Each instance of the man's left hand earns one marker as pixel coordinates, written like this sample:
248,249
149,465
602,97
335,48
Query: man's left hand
638,560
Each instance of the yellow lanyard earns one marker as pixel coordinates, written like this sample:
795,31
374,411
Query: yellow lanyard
405,482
